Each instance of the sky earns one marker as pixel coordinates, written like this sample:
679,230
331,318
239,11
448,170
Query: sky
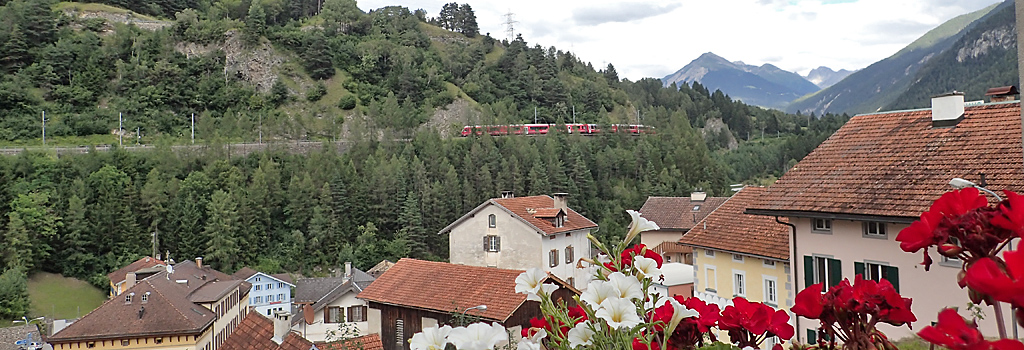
655,38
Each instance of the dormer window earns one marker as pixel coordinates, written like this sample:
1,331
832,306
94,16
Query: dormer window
696,207
560,221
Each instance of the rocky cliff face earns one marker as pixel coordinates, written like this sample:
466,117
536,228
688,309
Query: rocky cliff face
1004,37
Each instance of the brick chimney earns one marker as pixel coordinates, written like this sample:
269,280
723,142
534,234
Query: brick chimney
282,325
561,200
1002,93
947,109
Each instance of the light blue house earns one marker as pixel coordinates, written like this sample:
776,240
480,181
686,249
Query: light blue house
269,293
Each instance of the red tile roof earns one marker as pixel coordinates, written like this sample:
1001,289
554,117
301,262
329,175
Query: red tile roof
366,342
146,262
256,331
729,229
532,210
896,164
546,213
440,287
676,213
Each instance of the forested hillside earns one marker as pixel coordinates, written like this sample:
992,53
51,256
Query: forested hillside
293,71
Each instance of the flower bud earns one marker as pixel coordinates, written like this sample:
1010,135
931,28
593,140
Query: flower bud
950,250
961,279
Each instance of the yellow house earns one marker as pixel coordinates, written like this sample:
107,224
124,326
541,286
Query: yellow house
187,306
741,255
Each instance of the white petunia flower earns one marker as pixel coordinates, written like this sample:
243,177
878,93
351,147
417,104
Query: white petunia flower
581,335
638,225
597,291
679,312
529,283
532,342
647,267
618,313
478,336
431,338
627,287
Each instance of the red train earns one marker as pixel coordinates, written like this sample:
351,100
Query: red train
543,129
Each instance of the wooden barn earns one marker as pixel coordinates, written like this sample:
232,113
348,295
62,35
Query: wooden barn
415,294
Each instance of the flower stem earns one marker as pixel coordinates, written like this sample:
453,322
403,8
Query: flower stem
999,319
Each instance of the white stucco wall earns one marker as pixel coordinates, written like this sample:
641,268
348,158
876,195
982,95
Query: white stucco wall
319,330
581,247
931,291
277,288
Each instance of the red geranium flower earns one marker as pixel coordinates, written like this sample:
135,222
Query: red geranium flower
920,234
959,202
638,344
641,250
987,277
746,322
577,314
954,333
1013,213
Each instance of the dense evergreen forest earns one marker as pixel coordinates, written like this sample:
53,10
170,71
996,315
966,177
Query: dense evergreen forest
387,194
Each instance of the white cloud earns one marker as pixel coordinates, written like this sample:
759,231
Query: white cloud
653,39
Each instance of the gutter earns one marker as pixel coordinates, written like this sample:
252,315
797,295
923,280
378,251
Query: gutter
796,265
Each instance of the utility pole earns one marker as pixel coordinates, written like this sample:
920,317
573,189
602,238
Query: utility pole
44,128
574,114
510,32
138,135
535,114
120,129
193,128
261,128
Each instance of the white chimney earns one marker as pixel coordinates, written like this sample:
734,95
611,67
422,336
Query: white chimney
698,196
947,109
348,270
199,262
561,201
507,194
282,325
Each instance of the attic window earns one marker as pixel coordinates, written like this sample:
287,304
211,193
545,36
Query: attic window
145,297
560,221
696,207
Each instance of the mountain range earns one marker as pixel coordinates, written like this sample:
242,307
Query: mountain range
765,85
968,53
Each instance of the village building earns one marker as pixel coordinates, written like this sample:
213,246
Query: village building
851,196
269,292
126,276
328,307
675,217
521,233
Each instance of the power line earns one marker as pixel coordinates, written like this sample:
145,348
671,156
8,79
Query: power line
510,32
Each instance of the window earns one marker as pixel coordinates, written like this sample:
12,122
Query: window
145,297
569,256
952,262
257,287
400,333
572,282
128,298
257,279
771,290
270,286
769,263
822,225
90,345
709,275
492,221
818,269
737,257
332,314
553,257
696,208
667,258
159,340
878,271
875,230
280,284
356,314
126,342
259,299
280,297
708,252
492,243
738,284
559,220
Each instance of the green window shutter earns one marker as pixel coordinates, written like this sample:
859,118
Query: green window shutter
812,337
808,271
835,272
892,273
858,269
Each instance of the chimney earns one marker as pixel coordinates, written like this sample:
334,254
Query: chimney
1003,93
698,196
282,325
561,199
947,109
348,270
507,194
199,262
129,280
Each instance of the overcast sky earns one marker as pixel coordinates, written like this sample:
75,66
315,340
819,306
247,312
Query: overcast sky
656,38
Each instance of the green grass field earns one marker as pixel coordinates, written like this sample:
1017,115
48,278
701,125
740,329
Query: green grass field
57,296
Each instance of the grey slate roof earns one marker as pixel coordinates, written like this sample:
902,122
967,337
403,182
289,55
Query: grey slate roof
10,335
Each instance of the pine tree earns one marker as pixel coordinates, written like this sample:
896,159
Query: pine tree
221,231
14,53
411,223
467,21
610,75
255,23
